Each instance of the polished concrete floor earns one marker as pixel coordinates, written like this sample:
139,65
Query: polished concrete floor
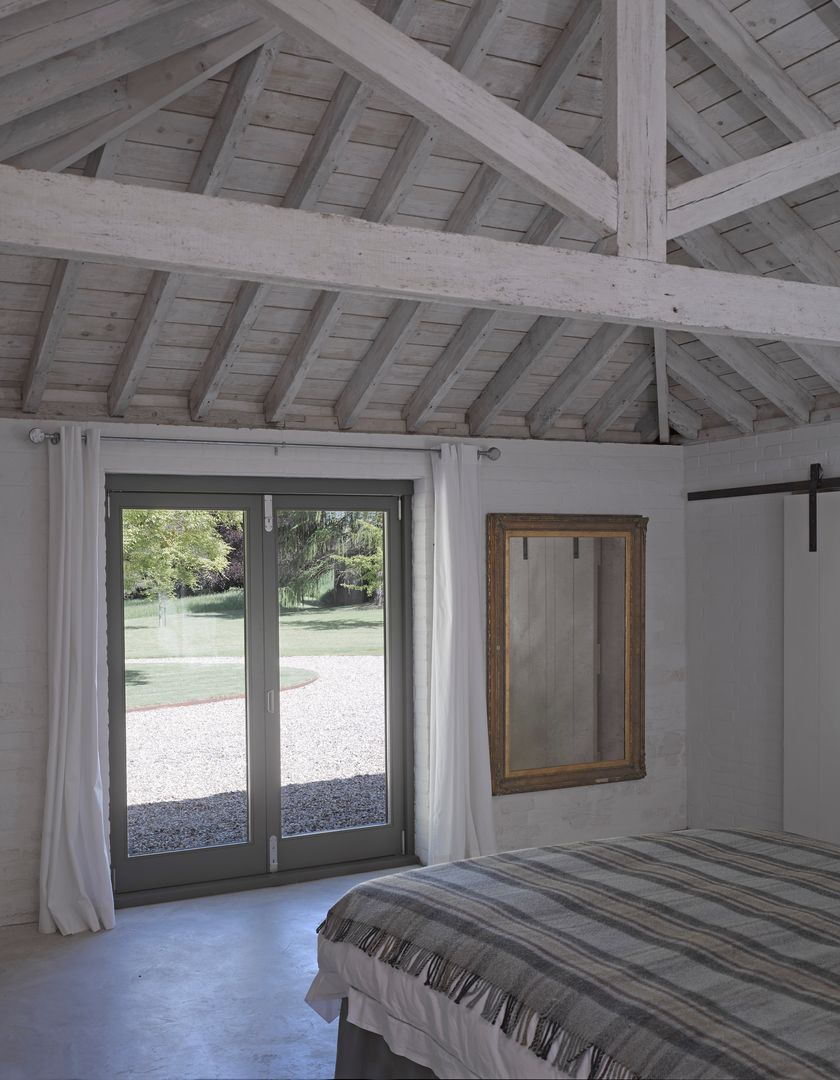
194,989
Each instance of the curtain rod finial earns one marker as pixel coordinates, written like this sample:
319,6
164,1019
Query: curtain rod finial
492,453
38,435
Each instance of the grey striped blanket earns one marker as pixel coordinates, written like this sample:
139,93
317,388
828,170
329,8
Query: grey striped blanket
692,954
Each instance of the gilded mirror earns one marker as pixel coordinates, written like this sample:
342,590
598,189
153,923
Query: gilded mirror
565,635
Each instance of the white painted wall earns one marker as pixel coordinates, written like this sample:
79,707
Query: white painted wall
735,562
530,477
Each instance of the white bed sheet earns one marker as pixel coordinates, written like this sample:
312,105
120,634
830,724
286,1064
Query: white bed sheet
418,1023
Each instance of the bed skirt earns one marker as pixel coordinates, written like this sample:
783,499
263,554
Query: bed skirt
363,1055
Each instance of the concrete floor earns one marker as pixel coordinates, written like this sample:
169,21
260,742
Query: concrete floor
199,988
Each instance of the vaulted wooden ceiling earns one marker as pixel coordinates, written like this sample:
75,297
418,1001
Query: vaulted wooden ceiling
219,98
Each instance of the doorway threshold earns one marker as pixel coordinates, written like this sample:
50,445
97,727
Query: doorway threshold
260,881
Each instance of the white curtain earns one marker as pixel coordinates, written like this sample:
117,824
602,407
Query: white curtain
75,876
461,824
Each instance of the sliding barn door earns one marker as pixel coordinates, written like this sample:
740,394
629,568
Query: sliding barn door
812,670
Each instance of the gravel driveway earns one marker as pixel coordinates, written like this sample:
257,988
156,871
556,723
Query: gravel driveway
187,768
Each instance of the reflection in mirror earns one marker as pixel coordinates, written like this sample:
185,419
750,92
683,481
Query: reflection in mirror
565,649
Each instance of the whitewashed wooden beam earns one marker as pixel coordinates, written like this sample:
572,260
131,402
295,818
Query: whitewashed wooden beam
626,389
700,144
591,359
371,371
217,154
749,183
467,51
750,67
105,222
660,354
66,34
226,347
704,384
12,7
634,121
554,79
647,426
61,134
762,373
683,419
101,163
713,251
431,90
44,84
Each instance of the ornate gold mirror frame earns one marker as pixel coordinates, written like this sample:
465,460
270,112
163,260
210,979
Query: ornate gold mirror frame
549,724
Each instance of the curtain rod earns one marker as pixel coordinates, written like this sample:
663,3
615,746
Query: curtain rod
37,436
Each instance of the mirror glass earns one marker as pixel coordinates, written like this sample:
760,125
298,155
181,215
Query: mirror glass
566,650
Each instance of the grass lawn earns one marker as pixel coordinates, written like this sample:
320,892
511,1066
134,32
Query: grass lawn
213,626
148,685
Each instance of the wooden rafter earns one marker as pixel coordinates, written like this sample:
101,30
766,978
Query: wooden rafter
634,121
703,383
592,358
683,419
468,50
219,149
101,163
61,134
44,84
556,74
750,183
28,45
106,222
434,92
626,389
732,48
700,144
708,248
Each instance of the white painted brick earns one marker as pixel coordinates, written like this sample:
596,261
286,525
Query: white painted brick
533,477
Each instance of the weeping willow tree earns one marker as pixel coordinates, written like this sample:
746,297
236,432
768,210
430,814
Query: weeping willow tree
323,550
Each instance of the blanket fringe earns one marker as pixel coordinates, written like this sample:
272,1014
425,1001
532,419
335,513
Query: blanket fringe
550,1039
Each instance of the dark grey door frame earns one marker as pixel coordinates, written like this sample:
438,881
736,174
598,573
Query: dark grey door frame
385,844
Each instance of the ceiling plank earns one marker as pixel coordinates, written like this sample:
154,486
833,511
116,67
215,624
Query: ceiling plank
228,127
704,384
733,49
660,354
683,419
749,183
101,163
431,90
591,359
626,389
12,7
700,144
111,223
634,121
61,134
66,34
766,376
44,84
468,50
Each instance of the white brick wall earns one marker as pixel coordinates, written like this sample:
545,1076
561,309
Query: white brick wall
735,629
541,477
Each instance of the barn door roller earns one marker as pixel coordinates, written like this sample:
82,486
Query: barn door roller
815,485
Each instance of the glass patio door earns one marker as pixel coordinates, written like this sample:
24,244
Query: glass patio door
186,670
257,656
339,738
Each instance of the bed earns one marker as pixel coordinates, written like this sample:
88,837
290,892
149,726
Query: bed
697,954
